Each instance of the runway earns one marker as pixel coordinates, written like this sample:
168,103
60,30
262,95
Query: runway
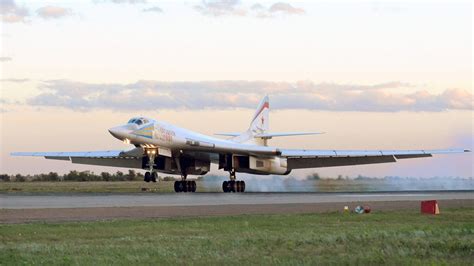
87,200
89,206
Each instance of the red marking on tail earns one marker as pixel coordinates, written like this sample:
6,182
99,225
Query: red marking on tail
265,105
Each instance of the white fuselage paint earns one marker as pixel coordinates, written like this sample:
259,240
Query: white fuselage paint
175,138
164,136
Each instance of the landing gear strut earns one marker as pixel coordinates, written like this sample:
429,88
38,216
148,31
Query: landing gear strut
183,185
233,185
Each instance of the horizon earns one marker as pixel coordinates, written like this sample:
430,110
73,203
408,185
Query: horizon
308,177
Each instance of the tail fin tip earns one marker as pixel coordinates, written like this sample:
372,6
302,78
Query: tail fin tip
260,120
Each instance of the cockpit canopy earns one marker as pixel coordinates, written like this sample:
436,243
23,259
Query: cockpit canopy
138,121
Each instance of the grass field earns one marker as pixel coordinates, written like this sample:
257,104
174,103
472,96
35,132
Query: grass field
95,186
253,185
397,238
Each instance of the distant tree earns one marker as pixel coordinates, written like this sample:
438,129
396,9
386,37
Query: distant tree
168,178
119,176
73,175
4,178
20,178
51,176
131,175
84,176
361,177
106,176
139,177
339,177
81,176
314,176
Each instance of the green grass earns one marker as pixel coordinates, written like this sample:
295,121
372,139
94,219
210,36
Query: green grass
93,186
397,238
214,185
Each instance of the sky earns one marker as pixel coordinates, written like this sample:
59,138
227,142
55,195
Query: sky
372,75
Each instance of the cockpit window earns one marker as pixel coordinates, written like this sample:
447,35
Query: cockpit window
138,121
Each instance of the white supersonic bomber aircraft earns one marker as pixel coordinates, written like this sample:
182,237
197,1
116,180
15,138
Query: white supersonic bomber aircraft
165,148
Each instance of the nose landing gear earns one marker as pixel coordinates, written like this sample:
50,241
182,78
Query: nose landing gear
151,175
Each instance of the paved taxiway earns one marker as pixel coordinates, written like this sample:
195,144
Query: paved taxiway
18,208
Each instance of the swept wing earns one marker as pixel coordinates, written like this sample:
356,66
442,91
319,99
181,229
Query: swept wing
298,159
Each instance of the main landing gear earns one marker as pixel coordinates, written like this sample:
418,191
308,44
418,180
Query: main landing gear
233,185
184,186
150,176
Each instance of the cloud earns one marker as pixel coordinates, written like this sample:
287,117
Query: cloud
122,1
11,13
53,12
151,95
257,7
129,1
154,9
14,80
285,8
221,8
5,59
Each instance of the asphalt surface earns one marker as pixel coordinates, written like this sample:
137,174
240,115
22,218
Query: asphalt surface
34,201
21,208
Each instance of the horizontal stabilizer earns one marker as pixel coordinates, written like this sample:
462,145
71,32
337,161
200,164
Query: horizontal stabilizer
228,134
269,135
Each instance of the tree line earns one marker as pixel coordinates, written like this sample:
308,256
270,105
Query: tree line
74,175
81,176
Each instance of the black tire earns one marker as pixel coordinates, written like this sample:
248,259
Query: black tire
194,186
185,186
238,186
242,186
176,187
147,177
154,176
225,186
232,186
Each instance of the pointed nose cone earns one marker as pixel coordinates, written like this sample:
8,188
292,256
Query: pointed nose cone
117,132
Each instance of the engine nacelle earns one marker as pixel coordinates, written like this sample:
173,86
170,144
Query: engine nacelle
263,166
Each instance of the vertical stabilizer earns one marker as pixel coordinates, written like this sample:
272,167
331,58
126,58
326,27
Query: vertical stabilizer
258,125
260,121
